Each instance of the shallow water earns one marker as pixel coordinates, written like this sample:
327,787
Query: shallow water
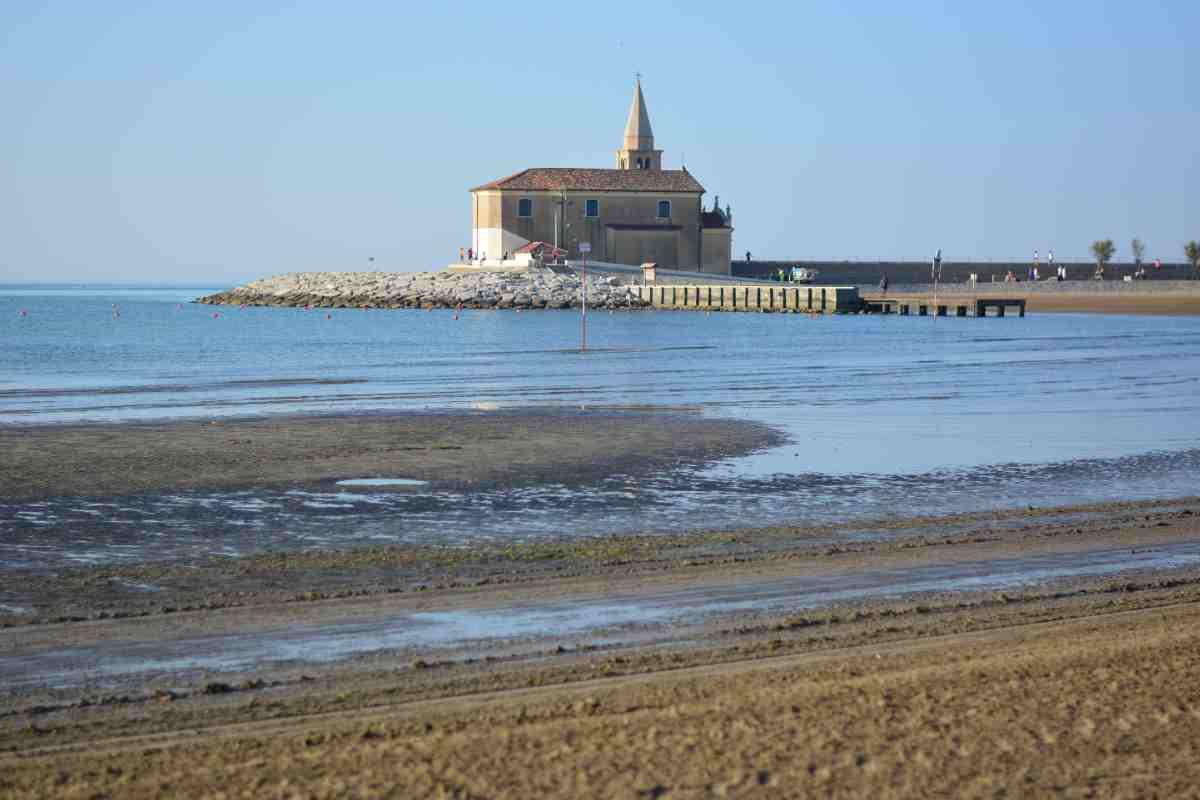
886,415
534,627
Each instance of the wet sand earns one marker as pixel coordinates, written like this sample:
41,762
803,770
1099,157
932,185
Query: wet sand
991,672
512,447
1093,303
512,571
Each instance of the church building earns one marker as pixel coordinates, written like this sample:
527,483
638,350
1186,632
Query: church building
635,213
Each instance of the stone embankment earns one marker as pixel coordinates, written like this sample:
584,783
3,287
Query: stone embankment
533,289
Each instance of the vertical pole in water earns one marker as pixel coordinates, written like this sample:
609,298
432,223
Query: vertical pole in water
936,275
583,314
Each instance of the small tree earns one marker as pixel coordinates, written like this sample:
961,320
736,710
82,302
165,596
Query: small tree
1192,251
1139,250
1103,250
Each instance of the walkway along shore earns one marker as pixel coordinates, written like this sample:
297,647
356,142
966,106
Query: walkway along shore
1090,297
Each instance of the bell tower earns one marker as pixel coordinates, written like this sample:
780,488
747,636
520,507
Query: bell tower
638,150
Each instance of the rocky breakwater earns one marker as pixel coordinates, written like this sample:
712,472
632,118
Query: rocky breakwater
534,289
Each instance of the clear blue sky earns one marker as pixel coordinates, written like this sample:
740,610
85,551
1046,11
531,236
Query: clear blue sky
221,141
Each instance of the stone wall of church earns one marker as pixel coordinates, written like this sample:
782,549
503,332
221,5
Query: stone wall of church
673,241
488,235
717,251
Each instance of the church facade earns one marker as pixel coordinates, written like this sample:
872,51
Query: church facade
635,213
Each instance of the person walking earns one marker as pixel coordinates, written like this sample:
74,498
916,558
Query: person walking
883,283
470,254
461,253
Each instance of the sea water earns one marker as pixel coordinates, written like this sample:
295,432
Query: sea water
885,415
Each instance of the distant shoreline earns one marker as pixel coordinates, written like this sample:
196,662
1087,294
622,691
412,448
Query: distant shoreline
1080,301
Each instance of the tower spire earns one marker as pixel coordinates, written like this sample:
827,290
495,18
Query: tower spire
638,134
637,150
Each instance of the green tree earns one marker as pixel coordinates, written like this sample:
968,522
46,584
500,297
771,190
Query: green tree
1139,250
1103,250
1192,251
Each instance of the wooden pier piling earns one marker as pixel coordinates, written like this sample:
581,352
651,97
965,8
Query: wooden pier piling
977,307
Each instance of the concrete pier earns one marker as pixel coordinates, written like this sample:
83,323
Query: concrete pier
963,307
756,297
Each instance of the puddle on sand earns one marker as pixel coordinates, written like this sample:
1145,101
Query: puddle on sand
530,628
376,482
135,586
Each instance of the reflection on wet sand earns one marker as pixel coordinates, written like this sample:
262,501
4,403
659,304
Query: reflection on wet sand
642,618
73,531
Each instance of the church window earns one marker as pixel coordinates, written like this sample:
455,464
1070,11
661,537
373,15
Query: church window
592,208
524,207
664,209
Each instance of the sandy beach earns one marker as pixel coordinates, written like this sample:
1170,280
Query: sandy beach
1042,685
1086,700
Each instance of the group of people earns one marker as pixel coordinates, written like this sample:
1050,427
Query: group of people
1035,269
1139,269
467,254
1035,274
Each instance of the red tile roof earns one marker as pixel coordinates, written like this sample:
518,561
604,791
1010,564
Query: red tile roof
550,249
597,180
